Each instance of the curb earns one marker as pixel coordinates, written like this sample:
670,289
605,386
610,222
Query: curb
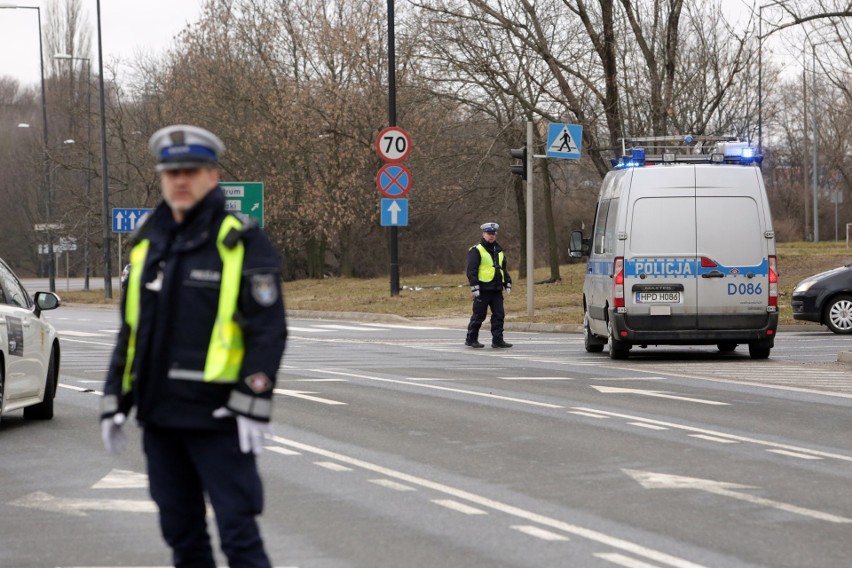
844,357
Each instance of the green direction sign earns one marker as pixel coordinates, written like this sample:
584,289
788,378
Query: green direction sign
245,197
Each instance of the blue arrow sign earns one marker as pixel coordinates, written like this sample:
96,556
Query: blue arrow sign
564,141
394,212
126,219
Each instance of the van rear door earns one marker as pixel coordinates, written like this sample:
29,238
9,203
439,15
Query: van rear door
659,265
732,251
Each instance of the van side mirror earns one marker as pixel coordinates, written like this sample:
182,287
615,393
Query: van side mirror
45,301
577,245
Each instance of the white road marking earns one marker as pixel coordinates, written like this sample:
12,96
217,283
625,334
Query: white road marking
651,480
628,379
78,507
529,516
459,507
713,439
306,395
436,387
795,455
69,340
346,327
387,483
319,380
333,466
306,329
282,451
122,479
721,434
773,373
72,333
109,331
79,389
648,426
625,561
429,379
656,394
539,533
417,327
589,414
536,378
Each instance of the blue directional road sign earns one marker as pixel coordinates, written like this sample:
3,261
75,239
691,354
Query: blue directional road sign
564,141
394,212
125,219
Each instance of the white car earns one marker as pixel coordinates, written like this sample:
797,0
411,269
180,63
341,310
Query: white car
29,349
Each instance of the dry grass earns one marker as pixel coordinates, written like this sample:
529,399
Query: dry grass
447,295
441,295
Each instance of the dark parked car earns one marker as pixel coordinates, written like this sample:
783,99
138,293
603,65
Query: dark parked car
826,298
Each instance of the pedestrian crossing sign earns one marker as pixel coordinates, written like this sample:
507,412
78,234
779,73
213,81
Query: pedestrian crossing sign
564,141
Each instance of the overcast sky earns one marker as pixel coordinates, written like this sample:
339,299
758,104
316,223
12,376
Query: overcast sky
133,26
129,26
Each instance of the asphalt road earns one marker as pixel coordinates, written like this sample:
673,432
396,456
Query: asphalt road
396,446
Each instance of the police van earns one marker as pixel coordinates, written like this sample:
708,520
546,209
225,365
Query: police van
682,250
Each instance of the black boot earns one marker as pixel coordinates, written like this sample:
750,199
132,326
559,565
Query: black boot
473,343
500,343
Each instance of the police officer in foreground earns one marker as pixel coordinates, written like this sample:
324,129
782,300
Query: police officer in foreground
201,340
488,277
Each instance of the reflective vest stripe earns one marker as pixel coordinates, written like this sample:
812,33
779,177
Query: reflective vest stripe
225,353
487,270
225,350
131,310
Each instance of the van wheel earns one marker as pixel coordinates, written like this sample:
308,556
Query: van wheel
617,349
593,343
838,314
727,346
758,350
44,410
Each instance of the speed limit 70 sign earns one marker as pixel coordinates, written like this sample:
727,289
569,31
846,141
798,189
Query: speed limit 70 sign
393,144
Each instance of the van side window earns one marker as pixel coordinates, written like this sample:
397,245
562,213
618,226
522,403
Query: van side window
609,233
600,226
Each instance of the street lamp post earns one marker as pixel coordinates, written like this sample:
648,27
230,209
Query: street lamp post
69,57
104,165
46,190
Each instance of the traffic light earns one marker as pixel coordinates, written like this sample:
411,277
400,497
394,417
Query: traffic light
520,169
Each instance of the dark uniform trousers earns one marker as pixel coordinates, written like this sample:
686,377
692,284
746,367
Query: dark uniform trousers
487,299
181,464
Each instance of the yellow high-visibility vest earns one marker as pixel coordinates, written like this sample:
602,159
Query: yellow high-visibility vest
487,269
226,350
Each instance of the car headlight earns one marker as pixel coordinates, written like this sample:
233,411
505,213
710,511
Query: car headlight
804,286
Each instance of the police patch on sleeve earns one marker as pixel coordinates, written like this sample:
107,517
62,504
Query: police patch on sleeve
258,383
263,289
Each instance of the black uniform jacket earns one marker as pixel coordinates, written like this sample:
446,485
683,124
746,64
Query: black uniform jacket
473,267
176,322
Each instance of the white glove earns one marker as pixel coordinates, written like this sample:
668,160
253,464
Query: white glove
251,432
474,290
508,289
115,440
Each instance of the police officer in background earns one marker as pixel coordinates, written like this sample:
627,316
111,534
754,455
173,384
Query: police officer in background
201,340
488,277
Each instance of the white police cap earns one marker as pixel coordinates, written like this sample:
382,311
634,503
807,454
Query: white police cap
182,146
489,227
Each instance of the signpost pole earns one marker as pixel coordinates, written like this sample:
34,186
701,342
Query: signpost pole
530,178
393,234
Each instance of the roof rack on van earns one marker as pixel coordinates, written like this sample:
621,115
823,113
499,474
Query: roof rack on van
651,150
